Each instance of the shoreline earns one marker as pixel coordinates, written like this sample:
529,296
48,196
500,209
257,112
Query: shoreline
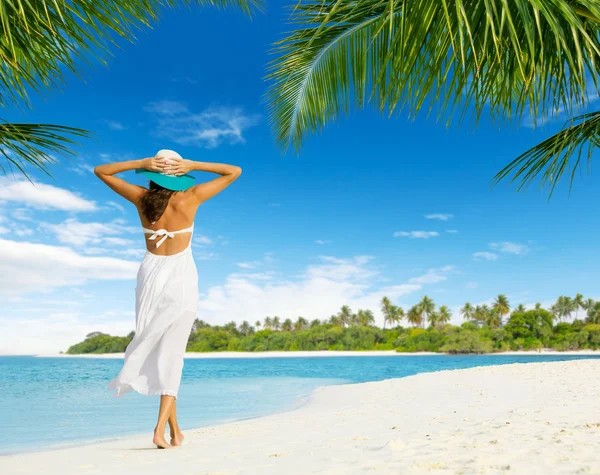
320,354
468,420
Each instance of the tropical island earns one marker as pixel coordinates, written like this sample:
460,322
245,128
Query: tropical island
486,329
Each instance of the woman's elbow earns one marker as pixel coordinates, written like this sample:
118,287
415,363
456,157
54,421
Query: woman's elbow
237,171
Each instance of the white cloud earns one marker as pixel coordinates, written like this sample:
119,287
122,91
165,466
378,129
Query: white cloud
22,214
323,241
451,231
248,265
202,240
29,267
42,196
22,231
416,234
209,128
116,205
472,285
115,125
267,259
433,276
488,256
440,216
77,233
509,247
82,168
319,292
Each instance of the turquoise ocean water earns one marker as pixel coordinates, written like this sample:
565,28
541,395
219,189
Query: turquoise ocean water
50,402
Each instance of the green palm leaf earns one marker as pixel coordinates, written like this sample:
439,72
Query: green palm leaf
34,145
551,159
40,39
504,57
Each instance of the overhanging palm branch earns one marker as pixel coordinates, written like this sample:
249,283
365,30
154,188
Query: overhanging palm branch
34,144
551,159
41,39
507,57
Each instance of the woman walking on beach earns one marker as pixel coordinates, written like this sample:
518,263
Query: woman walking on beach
167,280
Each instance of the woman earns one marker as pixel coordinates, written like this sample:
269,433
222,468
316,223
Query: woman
167,281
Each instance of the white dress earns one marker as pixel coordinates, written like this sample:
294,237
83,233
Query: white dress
165,310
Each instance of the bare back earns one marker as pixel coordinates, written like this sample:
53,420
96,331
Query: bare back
179,214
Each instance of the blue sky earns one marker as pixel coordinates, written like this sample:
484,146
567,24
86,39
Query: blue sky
345,222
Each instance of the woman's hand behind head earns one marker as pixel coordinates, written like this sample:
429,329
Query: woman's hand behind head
155,164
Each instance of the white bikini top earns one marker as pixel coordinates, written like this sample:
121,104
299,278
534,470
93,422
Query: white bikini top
166,234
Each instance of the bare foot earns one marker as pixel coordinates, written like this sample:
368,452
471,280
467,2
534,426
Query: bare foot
160,442
176,439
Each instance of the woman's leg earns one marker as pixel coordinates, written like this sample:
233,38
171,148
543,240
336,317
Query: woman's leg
164,411
176,435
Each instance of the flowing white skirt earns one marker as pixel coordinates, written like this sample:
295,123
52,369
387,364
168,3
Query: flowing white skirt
166,305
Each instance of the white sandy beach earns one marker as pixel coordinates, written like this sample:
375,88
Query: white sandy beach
292,354
537,418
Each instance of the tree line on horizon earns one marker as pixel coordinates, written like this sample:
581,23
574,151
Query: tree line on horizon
484,330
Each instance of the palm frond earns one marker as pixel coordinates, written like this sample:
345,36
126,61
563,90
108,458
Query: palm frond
552,158
39,39
23,145
507,57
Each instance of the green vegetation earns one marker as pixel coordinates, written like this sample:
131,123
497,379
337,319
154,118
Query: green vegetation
507,58
486,329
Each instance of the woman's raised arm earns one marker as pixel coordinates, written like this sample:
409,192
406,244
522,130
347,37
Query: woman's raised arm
204,191
128,191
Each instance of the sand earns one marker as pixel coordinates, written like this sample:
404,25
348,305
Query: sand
316,354
536,418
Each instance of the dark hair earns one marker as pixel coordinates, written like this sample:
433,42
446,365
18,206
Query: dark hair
155,201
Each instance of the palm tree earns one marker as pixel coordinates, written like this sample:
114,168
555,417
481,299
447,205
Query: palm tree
432,318
508,58
41,40
593,313
588,304
538,306
387,309
564,307
246,328
257,324
398,315
481,314
287,325
415,316
578,303
444,314
467,311
365,318
555,311
520,309
501,306
335,321
345,315
428,307
493,318
268,323
199,324
315,323
300,324
276,323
